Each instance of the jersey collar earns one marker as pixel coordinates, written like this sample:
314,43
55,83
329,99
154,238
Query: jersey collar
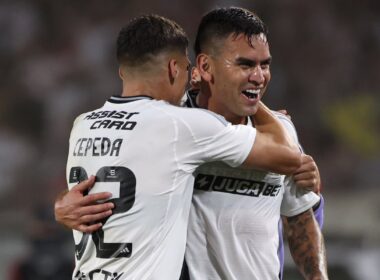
191,102
191,98
126,99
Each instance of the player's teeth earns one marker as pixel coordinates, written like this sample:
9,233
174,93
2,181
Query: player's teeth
251,93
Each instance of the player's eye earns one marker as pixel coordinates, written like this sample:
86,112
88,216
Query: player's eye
265,66
245,66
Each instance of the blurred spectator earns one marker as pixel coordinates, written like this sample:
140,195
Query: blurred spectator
47,257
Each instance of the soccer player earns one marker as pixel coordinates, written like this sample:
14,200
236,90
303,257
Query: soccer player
233,226
144,151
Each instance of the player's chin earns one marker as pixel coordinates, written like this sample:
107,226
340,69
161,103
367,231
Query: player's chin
250,110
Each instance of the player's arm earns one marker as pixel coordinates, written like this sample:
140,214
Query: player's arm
273,149
306,245
76,211
308,177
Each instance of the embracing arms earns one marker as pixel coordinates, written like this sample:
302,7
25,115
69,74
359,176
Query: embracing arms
274,150
77,211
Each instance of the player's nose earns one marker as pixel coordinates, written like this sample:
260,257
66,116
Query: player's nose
256,75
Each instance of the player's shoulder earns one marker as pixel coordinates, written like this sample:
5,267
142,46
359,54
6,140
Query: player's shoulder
287,123
81,117
283,118
198,117
193,122
87,115
189,101
99,112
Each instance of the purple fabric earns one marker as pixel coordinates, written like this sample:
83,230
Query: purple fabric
319,212
280,251
319,216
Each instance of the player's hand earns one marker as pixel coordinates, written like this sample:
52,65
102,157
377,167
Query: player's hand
284,112
83,213
307,176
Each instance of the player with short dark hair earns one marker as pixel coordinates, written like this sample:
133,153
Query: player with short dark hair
216,25
233,227
144,151
135,48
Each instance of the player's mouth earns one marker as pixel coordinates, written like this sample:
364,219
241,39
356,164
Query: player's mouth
251,94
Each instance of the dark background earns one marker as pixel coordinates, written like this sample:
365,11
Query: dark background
58,59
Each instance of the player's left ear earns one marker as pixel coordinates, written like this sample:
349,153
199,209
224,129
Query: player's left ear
121,73
173,70
204,67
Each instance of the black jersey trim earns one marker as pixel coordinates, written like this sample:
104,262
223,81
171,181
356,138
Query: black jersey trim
191,102
126,99
191,98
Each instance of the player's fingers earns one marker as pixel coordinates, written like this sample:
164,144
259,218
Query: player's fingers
85,185
304,176
94,198
89,219
305,184
306,167
307,158
310,184
89,228
317,188
95,209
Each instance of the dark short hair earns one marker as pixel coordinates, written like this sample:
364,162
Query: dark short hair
149,35
221,22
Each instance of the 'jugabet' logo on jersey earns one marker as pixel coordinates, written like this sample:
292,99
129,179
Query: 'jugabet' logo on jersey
235,185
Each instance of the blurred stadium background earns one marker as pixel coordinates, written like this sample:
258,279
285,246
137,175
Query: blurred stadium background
58,59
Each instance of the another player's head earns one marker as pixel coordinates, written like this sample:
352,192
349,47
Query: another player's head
154,49
233,59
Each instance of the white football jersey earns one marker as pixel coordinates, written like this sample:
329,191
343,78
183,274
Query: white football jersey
144,152
233,225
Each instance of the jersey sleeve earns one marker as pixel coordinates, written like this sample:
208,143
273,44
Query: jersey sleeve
296,200
205,136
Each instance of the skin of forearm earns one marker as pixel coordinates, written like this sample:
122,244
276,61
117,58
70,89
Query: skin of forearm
57,205
266,122
306,245
281,150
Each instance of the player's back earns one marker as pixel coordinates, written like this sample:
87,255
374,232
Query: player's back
144,152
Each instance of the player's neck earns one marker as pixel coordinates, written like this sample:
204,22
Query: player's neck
229,116
147,87
206,100
202,99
